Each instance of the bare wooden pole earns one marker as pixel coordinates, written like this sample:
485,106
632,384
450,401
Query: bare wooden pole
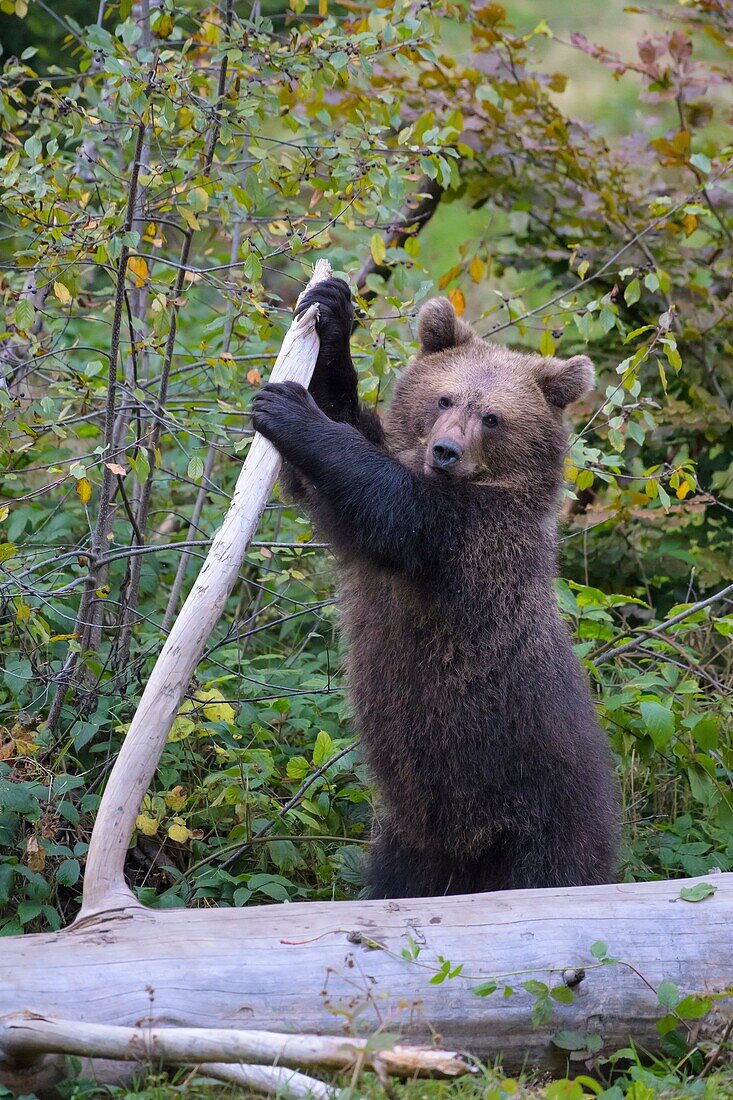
104,885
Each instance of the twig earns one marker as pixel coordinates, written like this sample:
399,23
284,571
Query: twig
646,634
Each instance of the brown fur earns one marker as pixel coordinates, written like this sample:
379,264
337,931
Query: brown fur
473,710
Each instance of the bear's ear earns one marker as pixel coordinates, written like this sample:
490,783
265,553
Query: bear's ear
439,328
566,380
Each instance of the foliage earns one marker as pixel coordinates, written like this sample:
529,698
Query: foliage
166,187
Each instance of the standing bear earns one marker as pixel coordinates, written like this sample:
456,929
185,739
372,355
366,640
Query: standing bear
473,711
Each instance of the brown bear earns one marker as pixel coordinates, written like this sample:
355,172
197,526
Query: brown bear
473,710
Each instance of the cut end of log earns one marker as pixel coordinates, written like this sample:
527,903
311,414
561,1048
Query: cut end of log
413,1061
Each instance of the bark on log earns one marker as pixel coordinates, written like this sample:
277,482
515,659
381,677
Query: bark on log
332,968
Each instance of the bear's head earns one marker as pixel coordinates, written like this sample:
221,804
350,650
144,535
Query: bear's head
468,409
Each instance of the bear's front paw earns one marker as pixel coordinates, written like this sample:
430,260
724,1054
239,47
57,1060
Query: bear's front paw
280,412
335,310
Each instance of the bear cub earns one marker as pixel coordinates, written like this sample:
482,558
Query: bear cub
472,708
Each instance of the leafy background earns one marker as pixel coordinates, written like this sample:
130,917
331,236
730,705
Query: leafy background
575,165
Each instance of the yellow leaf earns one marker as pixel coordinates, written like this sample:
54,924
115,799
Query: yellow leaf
181,729
216,709
4,512
583,269
690,223
178,831
323,8
547,344
62,293
176,798
22,613
163,26
189,217
476,269
449,276
683,490
378,248
138,268
84,490
147,825
459,302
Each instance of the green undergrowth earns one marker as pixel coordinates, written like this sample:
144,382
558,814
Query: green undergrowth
637,1083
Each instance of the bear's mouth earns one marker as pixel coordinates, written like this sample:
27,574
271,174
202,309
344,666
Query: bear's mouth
460,471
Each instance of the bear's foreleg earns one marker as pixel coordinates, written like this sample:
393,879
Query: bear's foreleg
334,385
366,502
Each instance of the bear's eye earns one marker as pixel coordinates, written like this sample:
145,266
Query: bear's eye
490,420
445,403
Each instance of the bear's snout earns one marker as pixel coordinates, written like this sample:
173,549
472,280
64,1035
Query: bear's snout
446,452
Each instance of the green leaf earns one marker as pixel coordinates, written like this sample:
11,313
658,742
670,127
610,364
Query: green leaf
705,733
632,293
569,1040
659,722
693,1007
323,748
24,315
701,162
17,798
537,989
485,989
196,469
698,892
297,767
198,199
668,995
68,872
599,949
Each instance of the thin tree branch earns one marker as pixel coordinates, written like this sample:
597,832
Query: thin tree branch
648,634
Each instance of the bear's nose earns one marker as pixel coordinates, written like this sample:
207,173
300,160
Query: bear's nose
446,452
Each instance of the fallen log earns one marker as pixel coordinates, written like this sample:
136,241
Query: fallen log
340,968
